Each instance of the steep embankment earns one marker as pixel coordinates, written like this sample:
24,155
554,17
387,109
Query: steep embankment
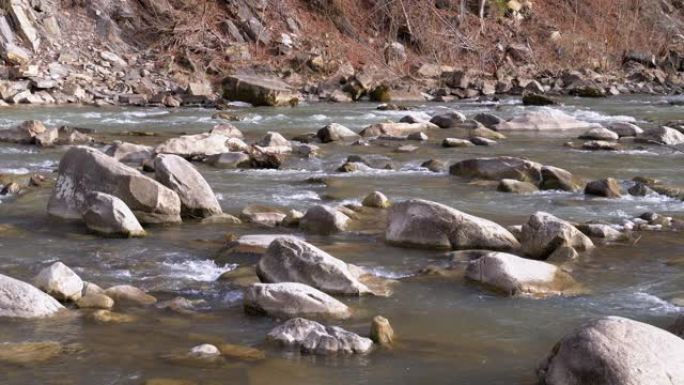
170,51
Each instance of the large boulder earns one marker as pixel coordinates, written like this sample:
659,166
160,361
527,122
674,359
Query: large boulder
189,146
20,300
608,188
60,281
497,168
293,260
661,135
27,132
291,299
512,275
422,223
544,233
323,220
396,129
615,351
259,91
129,152
334,132
545,119
109,215
196,196
83,170
311,337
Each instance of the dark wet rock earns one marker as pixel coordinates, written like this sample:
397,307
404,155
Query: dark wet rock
599,133
21,300
109,215
293,260
83,170
417,136
661,135
263,215
625,129
554,178
546,119
512,275
534,99
448,120
323,220
454,142
196,196
544,233
311,337
262,158
640,190
434,165
480,141
602,231
127,294
335,132
516,186
488,120
259,91
396,129
497,168
615,351
381,331
601,145
290,299
129,152
678,327
421,223
609,188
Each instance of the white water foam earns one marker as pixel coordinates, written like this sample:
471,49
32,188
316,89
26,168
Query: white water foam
202,270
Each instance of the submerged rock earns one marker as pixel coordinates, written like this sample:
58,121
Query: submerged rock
60,281
20,300
544,233
422,223
126,294
109,215
381,331
290,299
83,170
313,338
497,168
615,351
516,186
323,220
196,196
376,199
27,353
513,275
95,301
455,142
292,260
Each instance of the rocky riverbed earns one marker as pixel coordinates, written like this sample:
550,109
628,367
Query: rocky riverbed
344,243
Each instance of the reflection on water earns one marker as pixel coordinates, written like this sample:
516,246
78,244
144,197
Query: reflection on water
449,332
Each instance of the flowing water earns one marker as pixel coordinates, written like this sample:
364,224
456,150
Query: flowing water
449,332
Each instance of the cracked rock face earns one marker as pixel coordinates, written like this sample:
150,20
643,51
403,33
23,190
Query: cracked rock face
311,337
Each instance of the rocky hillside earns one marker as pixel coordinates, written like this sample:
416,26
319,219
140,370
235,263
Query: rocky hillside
178,52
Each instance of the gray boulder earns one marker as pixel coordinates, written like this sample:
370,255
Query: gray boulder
109,215
28,132
544,233
615,351
83,170
448,120
599,133
293,260
608,188
130,152
259,91
20,300
511,275
290,299
60,281
554,178
625,129
189,146
196,196
323,220
334,132
661,135
497,168
545,119
311,337
422,223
